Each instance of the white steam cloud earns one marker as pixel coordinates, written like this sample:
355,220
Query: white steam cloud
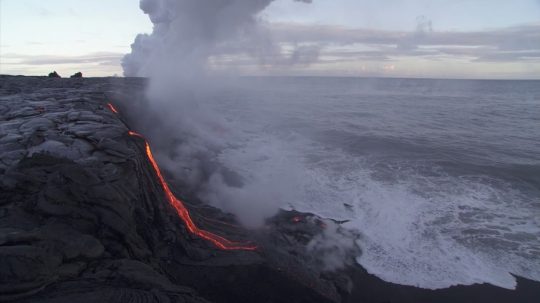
191,138
187,32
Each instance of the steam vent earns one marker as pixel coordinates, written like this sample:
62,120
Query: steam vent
88,216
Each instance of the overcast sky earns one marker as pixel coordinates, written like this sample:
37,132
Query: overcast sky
395,38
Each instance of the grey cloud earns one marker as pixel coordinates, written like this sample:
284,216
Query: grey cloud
344,56
508,44
98,58
509,56
424,27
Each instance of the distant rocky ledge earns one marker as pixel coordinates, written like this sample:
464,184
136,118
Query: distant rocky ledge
84,218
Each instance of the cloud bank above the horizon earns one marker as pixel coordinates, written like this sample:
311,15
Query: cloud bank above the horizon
512,48
320,39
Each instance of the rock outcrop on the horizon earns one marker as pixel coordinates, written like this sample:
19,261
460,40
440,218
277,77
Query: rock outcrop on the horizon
54,75
77,75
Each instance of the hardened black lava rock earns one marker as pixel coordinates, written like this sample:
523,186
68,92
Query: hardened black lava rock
83,217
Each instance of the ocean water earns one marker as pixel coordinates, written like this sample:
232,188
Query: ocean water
440,177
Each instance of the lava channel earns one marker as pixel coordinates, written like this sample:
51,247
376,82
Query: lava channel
180,208
112,108
183,212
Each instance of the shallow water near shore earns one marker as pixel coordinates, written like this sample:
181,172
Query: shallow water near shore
440,177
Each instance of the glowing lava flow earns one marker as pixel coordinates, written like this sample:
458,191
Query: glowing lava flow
112,108
182,211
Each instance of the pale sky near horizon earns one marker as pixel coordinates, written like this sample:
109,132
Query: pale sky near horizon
396,38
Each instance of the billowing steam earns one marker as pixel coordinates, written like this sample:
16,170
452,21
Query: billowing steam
187,32
190,136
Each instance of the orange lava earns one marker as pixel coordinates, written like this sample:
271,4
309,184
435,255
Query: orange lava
183,212
112,108
132,133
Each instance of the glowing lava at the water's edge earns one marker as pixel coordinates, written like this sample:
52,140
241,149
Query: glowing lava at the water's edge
183,212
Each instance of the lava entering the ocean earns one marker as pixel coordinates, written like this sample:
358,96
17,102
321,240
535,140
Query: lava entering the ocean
183,212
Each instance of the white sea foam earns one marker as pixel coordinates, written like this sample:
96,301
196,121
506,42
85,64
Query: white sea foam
430,232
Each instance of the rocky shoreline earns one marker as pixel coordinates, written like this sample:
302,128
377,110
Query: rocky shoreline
84,218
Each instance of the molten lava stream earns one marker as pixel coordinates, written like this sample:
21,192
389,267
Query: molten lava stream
112,108
182,211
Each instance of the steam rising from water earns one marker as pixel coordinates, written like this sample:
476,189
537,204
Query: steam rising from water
194,137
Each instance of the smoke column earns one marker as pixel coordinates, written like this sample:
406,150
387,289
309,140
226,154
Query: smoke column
188,135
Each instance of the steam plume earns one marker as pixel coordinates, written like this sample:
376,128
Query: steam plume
187,32
189,136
